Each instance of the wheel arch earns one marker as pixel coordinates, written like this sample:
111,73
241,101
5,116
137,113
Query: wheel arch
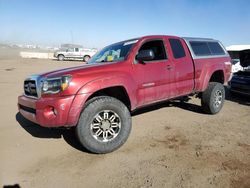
60,54
119,87
119,92
215,76
86,55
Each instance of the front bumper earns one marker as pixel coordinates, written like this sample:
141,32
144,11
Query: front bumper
52,112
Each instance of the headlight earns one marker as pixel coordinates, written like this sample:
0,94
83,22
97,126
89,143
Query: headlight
55,85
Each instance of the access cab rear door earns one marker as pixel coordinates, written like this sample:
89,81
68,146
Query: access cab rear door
183,68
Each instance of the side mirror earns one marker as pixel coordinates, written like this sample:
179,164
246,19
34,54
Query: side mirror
145,55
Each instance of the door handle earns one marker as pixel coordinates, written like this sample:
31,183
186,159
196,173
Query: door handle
169,67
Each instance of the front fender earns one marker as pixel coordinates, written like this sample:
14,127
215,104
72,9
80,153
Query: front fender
124,81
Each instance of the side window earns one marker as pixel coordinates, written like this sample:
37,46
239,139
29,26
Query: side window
200,48
70,50
215,48
76,49
177,48
157,46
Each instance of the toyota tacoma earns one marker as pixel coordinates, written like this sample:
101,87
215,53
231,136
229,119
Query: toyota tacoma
98,98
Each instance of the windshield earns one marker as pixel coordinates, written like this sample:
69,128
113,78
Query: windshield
113,53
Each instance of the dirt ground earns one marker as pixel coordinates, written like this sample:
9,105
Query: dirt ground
171,144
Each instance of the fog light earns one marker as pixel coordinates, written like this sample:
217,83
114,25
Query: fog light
49,112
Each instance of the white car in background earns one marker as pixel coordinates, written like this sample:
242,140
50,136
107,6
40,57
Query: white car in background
236,67
234,51
75,53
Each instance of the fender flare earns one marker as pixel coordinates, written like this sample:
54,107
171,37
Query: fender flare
208,76
112,81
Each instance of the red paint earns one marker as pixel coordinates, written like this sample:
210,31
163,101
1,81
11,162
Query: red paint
144,83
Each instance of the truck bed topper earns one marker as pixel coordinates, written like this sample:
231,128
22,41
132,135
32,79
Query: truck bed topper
203,48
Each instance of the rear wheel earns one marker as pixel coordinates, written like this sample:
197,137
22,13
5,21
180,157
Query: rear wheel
86,58
60,57
213,97
104,125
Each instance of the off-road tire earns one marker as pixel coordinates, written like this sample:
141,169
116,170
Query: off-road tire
93,107
213,97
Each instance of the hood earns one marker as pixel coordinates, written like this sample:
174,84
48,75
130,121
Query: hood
244,58
82,74
72,70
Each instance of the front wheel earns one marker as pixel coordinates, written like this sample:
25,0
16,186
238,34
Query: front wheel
60,57
213,97
104,125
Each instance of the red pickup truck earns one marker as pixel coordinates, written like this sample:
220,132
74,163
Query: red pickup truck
98,98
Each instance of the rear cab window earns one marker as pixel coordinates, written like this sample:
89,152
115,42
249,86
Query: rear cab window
177,48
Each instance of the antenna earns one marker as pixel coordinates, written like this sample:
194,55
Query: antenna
72,39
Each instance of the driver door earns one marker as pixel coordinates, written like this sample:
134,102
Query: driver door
153,76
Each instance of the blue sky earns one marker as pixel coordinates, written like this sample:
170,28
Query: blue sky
97,23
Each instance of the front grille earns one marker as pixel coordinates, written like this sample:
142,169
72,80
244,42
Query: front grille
30,88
